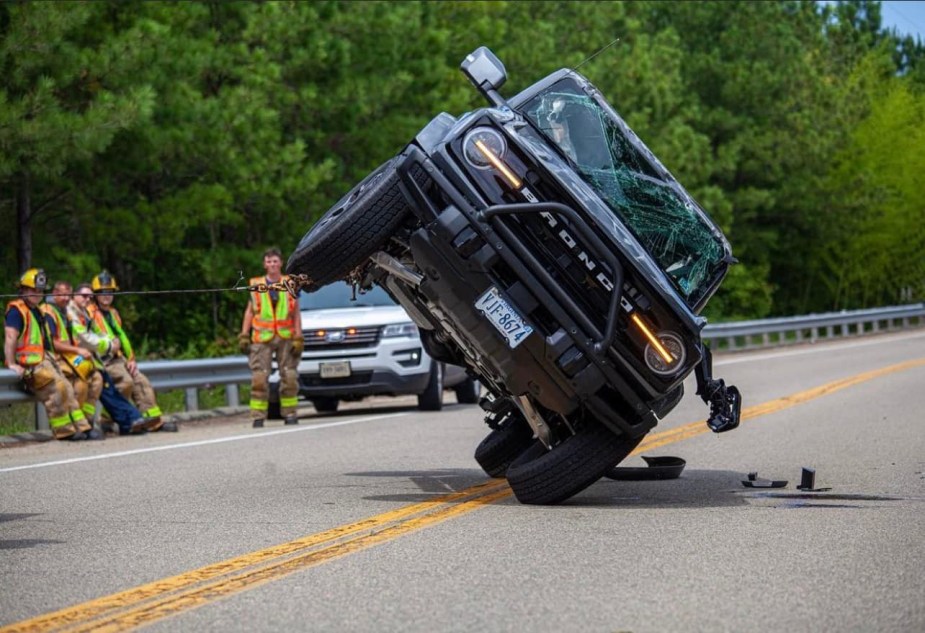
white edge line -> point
(220, 440)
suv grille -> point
(562, 264)
(341, 338)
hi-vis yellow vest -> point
(30, 349)
(268, 322)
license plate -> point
(503, 317)
(334, 370)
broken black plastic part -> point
(756, 482)
(725, 402)
(658, 468)
(808, 481)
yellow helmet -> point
(33, 278)
(104, 281)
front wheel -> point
(352, 230)
(543, 477)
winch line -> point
(295, 283)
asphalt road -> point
(378, 518)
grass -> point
(17, 418)
(175, 401)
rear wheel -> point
(503, 445)
(352, 230)
(432, 397)
(467, 392)
(541, 476)
(326, 404)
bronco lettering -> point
(583, 256)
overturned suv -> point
(541, 245)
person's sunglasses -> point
(104, 292)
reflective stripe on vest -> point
(266, 323)
(30, 350)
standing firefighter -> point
(121, 364)
(75, 363)
(29, 352)
(272, 325)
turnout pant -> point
(136, 389)
(260, 361)
(50, 386)
(87, 392)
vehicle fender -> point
(435, 131)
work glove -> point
(244, 342)
(298, 344)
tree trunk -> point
(24, 222)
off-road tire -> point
(431, 399)
(543, 477)
(325, 404)
(467, 392)
(353, 229)
(503, 445)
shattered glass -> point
(615, 163)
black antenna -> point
(596, 54)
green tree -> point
(58, 108)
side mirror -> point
(486, 72)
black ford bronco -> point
(541, 245)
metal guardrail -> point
(781, 331)
(231, 371)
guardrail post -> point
(192, 399)
(232, 395)
(41, 418)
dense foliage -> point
(173, 142)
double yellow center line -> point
(160, 599)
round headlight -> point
(672, 344)
(478, 142)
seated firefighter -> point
(121, 411)
(74, 362)
(29, 352)
(121, 363)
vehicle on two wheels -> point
(538, 243)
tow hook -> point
(725, 402)
(725, 406)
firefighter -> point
(121, 363)
(75, 363)
(272, 325)
(29, 352)
(121, 411)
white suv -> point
(364, 346)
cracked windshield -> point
(667, 227)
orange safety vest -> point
(270, 320)
(101, 325)
(30, 348)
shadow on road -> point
(431, 483)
